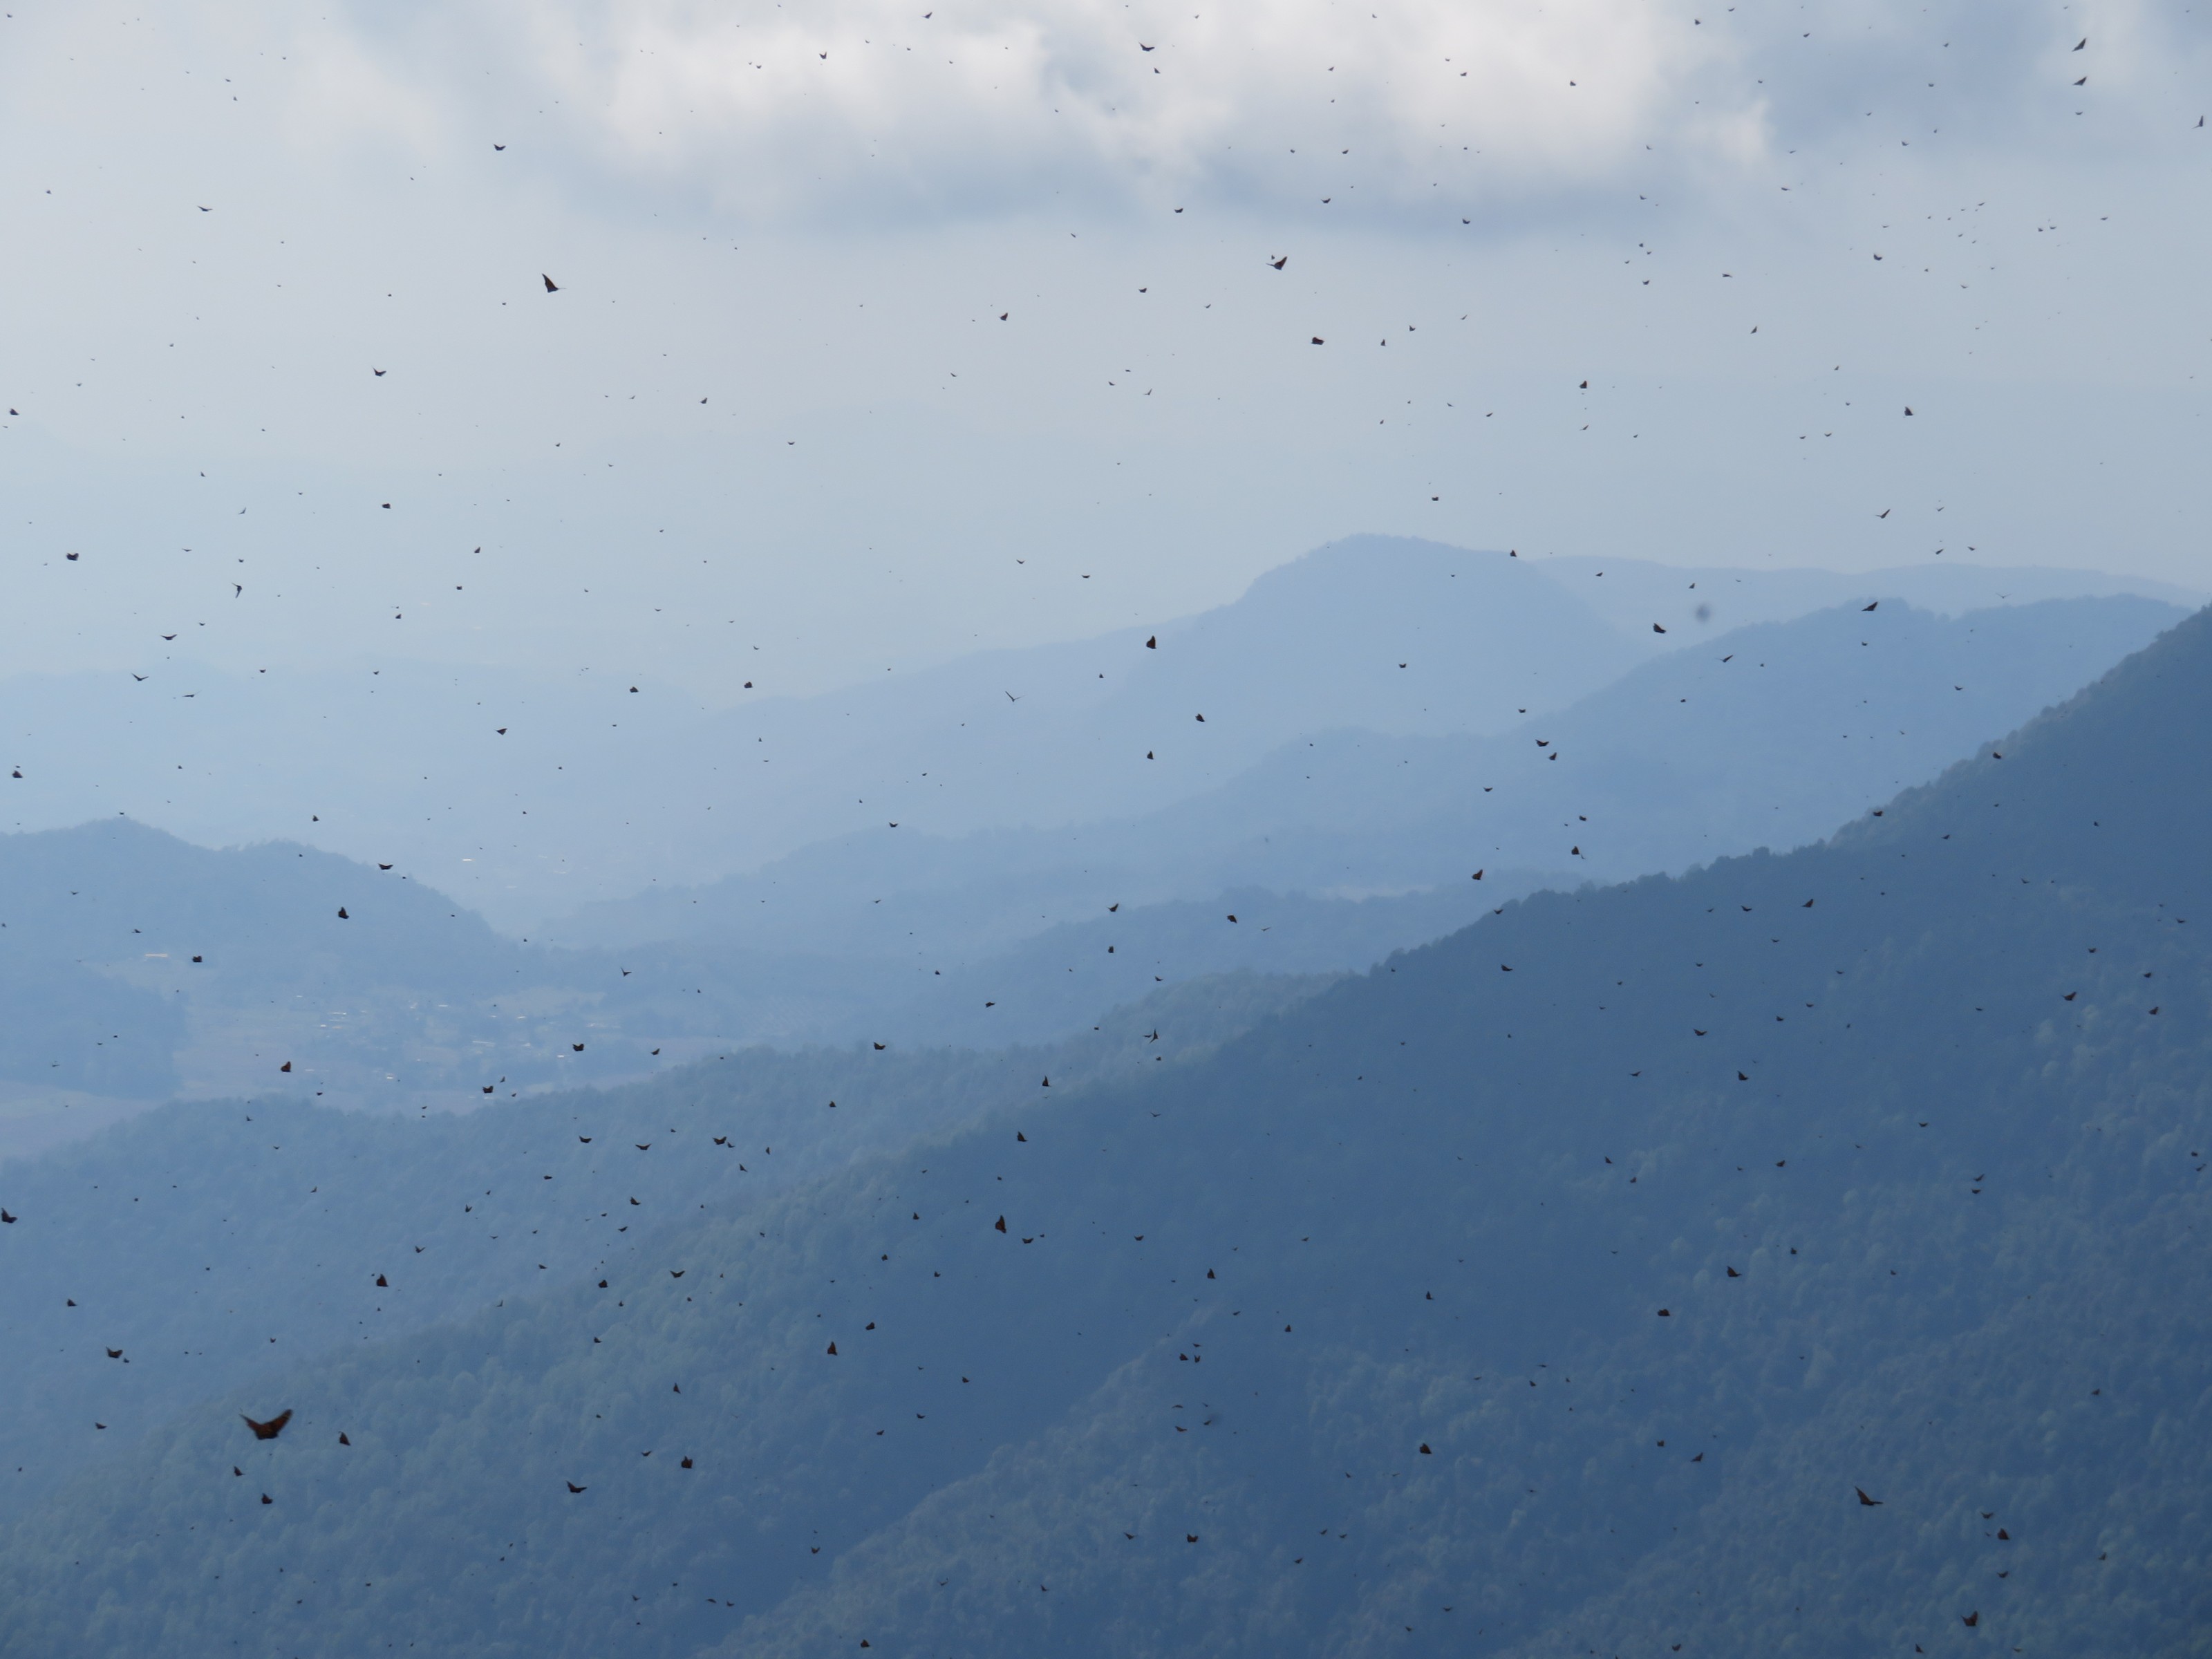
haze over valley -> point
(987, 830)
(1349, 824)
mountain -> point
(530, 795)
(1769, 736)
(1334, 850)
(206, 1239)
(527, 797)
(257, 920)
(1558, 1287)
(207, 971)
(1701, 601)
(71, 1031)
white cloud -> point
(1413, 112)
(1429, 106)
(1420, 110)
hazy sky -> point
(774, 403)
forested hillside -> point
(209, 1241)
(1805, 1254)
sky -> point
(886, 331)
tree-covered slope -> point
(212, 1241)
(69, 1027)
(1555, 1288)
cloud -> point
(1426, 111)
(1435, 107)
(1419, 112)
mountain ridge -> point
(1626, 1203)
